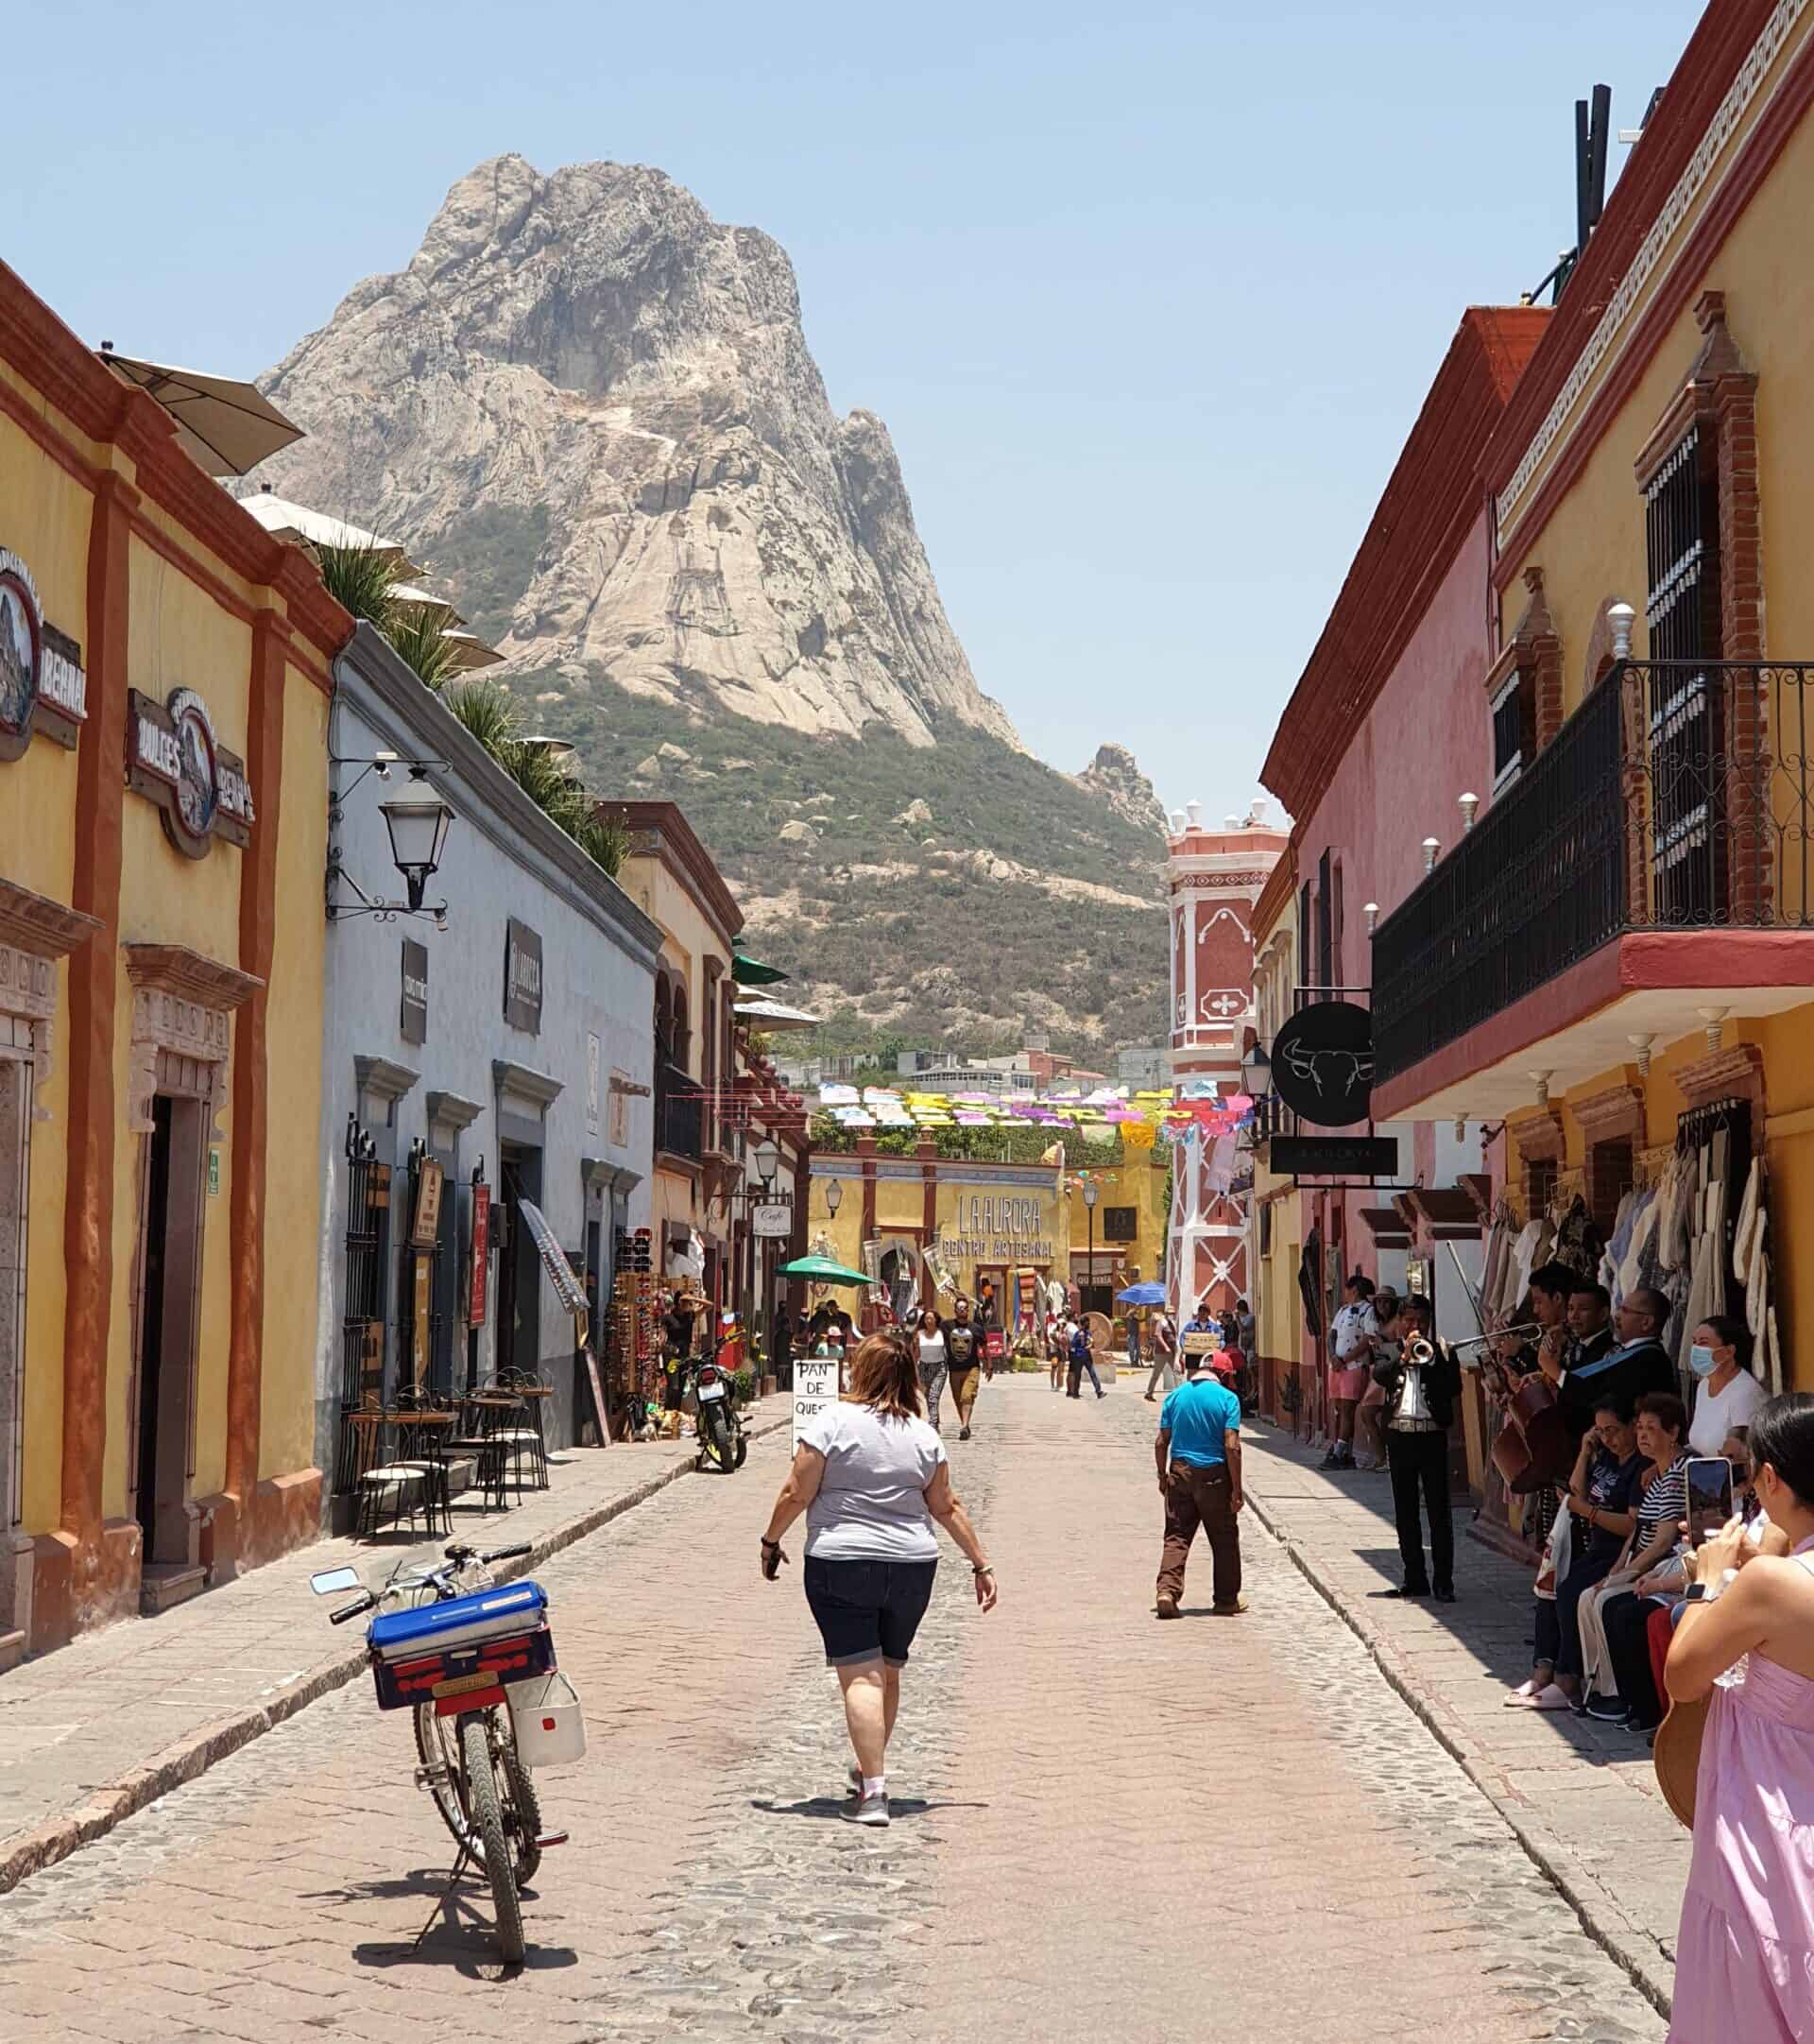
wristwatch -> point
(1700, 1593)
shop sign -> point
(568, 1289)
(481, 1265)
(425, 1225)
(1357, 1157)
(414, 1020)
(771, 1220)
(172, 758)
(592, 1083)
(41, 684)
(214, 1173)
(815, 1387)
(1322, 1063)
(522, 977)
(998, 1229)
(419, 1325)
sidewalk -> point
(96, 1732)
(1581, 1796)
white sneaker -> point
(869, 1810)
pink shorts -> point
(1348, 1384)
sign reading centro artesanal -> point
(42, 687)
(173, 758)
(997, 1231)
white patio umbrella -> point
(228, 427)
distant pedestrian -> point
(1082, 1360)
(1057, 1339)
(1164, 1373)
(1198, 1450)
(873, 1480)
(964, 1361)
(929, 1341)
(1352, 1337)
(781, 1340)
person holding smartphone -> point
(1746, 1939)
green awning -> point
(823, 1271)
(753, 972)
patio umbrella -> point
(228, 427)
(822, 1270)
(753, 972)
(1141, 1294)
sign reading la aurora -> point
(173, 759)
(521, 976)
(41, 684)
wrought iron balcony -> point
(677, 1114)
(1677, 798)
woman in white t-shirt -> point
(1726, 1394)
(873, 1480)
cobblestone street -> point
(1106, 1828)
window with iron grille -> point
(422, 1268)
(1514, 727)
(362, 1304)
(1684, 712)
(1266, 1228)
(1325, 925)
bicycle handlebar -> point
(509, 1553)
(352, 1611)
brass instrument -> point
(1517, 1332)
(1410, 1403)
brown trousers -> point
(1196, 1497)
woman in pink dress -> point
(1744, 1964)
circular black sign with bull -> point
(1321, 1063)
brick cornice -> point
(1603, 1117)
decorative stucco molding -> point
(35, 932)
(180, 1004)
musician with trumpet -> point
(1422, 1384)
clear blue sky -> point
(1148, 303)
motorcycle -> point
(476, 1667)
(720, 1429)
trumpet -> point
(1410, 1405)
(1480, 1340)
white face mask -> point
(1701, 1360)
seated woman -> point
(1662, 1439)
(1602, 1497)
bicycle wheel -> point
(524, 1818)
(487, 1814)
(438, 1742)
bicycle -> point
(475, 1668)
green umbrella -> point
(822, 1270)
(753, 972)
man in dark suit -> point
(1417, 1455)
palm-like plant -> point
(490, 715)
(365, 580)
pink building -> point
(1215, 876)
(1387, 732)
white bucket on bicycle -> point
(550, 1726)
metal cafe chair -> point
(518, 1425)
(384, 1487)
(488, 1451)
(421, 1445)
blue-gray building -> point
(501, 1054)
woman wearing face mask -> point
(1726, 1394)
(1745, 1950)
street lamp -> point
(833, 1198)
(1091, 1193)
(1256, 1073)
(767, 1159)
(417, 818)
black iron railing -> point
(362, 1306)
(677, 1120)
(1677, 796)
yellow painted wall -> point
(46, 1284)
(690, 939)
(900, 1205)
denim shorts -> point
(867, 1610)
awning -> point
(1388, 1227)
(774, 1015)
(1448, 1213)
(227, 426)
(753, 972)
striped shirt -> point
(1667, 1499)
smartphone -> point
(1709, 1497)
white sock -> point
(874, 1785)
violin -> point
(1533, 1449)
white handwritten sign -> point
(815, 1387)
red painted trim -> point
(1756, 159)
(1567, 998)
(93, 1001)
(1649, 960)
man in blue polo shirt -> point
(1199, 1457)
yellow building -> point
(1618, 959)
(1128, 1226)
(999, 1222)
(1274, 1233)
(671, 877)
(163, 699)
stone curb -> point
(30, 1852)
(1631, 1948)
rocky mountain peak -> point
(1115, 775)
(618, 389)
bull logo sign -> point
(42, 687)
(173, 760)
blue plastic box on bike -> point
(459, 1654)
